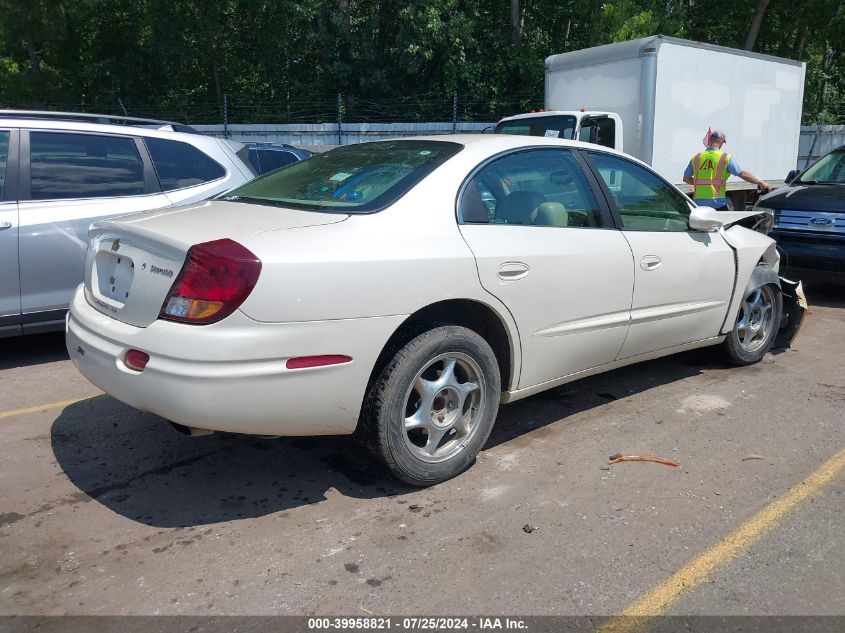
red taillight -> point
(303, 362)
(136, 359)
(216, 279)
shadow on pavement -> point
(32, 349)
(139, 467)
(549, 406)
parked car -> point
(266, 157)
(809, 219)
(61, 171)
(400, 290)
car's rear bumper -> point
(231, 376)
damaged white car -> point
(402, 290)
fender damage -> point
(745, 232)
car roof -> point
(88, 117)
(552, 113)
(277, 147)
(106, 124)
(494, 143)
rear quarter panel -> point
(392, 262)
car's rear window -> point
(560, 126)
(352, 179)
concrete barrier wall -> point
(820, 140)
(322, 136)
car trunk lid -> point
(133, 261)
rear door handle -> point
(5, 225)
(511, 271)
(650, 262)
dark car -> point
(267, 157)
(809, 220)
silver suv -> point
(59, 172)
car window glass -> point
(532, 188)
(559, 126)
(601, 131)
(4, 155)
(64, 166)
(181, 165)
(645, 201)
(830, 168)
(358, 178)
(269, 159)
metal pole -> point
(339, 118)
(455, 112)
(815, 138)
(225, 115)
(122, 107)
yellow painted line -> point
(659, 598)
(41, 407)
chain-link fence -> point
(317, 108)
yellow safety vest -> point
(709, 174)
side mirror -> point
(704, 219)
(792, 176)
(490, 129)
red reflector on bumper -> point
(136, 359)
(302, 362)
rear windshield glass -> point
(350, 179)
(560, 126)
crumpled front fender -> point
(793, 301)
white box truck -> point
(656, 97)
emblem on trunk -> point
(115, 245)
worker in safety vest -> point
(708, 172)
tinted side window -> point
(4, 156)
(180, 165)
(536, 188)
(268, 159)
(645, 201)
(66, 166)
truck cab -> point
(601, 128)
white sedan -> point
(401, 290)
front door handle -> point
(650, 262)
(5, 225)
(511, 271)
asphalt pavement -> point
(107, 510)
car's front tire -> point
(430, 410)
(756, 325)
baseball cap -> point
(719, 135)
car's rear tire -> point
(756, 325)
(431, 409)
